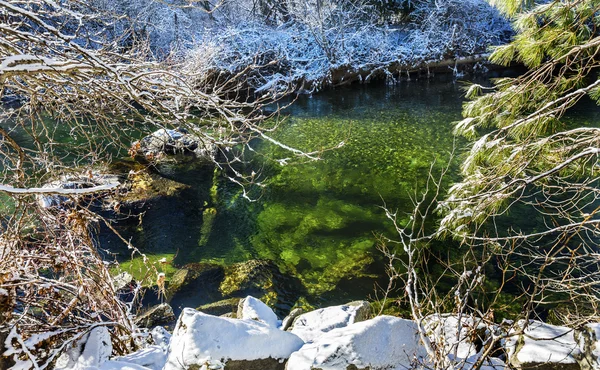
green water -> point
(317, 220)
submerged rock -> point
(223, 307)
(187, 280)
(165, 141)
(382, 343)
(157, 315)
(311, 325)
(263, 280)
(200, 339)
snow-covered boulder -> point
(251, 308)
(201, 339)
(589, 342)
(542, 346)
(455, 334)
(311, 325)
(89, 352)
(384, 342)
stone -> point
(122, 280)
(220, 308)
(91, 351)
(179, 141)
(263, 280)
(460, 336)
(200, 339)
(161, 314)
(251, 308)
(289, 319)
(188, 280)
(542, 346)
(311, 325)
(382, 343)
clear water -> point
(317, 220)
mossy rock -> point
(226, 306)
(263, 280)
(191, 276)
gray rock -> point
(289, 319)
(122, 280)
(220, 308)
(262, 364)
(157, 315)
(166, 141)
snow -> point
(253, 309)
(152, 357)
(384, 342)
(542, 343)
(120, 365)
(204, 339)
(311, 325)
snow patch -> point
(311, 325)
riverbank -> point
(342, 337)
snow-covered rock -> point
(312, 325)
(384, 342)
(201, 339)
(161, 337)
(251, 308)
(90, 352)
(455, 334)
(542, 346)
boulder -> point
(192, 278)
(263, 280)
(289, 319)
(90, 352)
(251, 308)
(161, 314)
(382, 343)
(179, 141)
(200, 339)
(458, 336)
(311, 325)
(223, 307)
(542, 346)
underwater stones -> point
(311, 325)
(201, 339)
(143, 185)
(165, 141)
(193, 277)
(223, 307)
(261, 279)
(157, 315)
